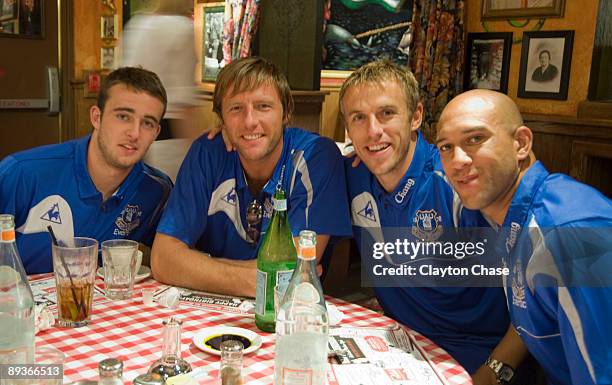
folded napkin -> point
(43, 318)
(334, 314)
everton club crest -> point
(128, 220)
(427, 225)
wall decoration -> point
(108, 58)
(93, 82)
(546, 58)
(21, 18)
(507, 9)
(212, 40)
(358, 32)
(488, 61)
(109, 24)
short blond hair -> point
(248, 74)
(380, 71)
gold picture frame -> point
(517, 9)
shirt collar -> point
(270, 186)
(401, 195)
(87, 189)
(525, 194)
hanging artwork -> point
(21, 18)
(358, 32)
(212, 50)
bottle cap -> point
(110, 366)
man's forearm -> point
(510, 350)
(176, 264)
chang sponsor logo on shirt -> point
(399, 197)
(427, 225)
(128, 220)
(511, 239)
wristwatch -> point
(504, 374)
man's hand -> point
(357, 159)
(484, 376)
(214, 131)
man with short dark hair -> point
(555, 239)
(209, 233)
(96, 186)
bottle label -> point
(7, 235)
(280, 204)
(260, 292)
(296, 376)
(283, 277)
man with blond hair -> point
(399, 185)
(208, 236)
(554, 238)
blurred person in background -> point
(163, 42)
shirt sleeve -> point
(185, 216)
(583, 256)
(13, 190)
(318, 191)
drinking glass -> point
(74, 264)
(120, 258)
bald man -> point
(554, 237)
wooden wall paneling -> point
(591, 162)
(554, 151)
(332, 124)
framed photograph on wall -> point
(22, 18)
(107, 58)
(356, 33)
(8, 9)
(109, 24)
(487, 61)
(513, 9)
(212, 40)
(546, 57)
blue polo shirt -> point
(50, 185)
(556, 242)
(207, 208)
(468, 322)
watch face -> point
(505, 373)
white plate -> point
(143, 272)
(200, 338)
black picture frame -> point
(22, 19)
(487, 61)
(553, 81)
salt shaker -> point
(111, 372)
(231, 362)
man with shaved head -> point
(399, 184)
(554, 237)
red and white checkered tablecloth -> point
(131, 331)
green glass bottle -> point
(276, 260)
